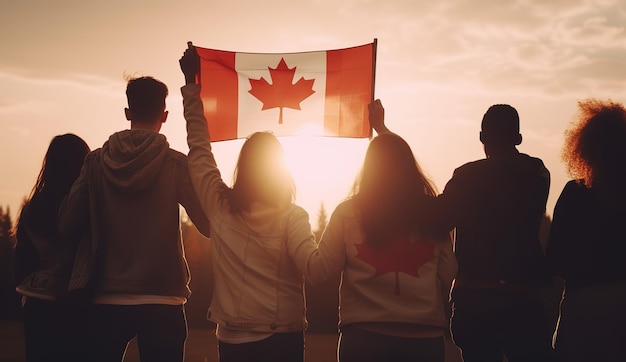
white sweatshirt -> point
(259, 257)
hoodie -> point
(128, 194)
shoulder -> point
(574, 193)
(176, 155)
(296, 220)
(534, 161)
(93, 158)
(295, 212)
(471, 168)
(575, 199)
(178, 159)
(95, 154)
(574, 187)
(346, 209)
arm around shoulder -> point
(73, 216)
(330, 257)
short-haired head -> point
(146, 99)
(500, 126)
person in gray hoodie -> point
(128, 196)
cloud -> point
(549, 49)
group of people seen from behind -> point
(99, 258)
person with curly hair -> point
(587, 246)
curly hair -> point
(595, 144)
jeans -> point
(54, 331)
(161, 331)
(280, 347)
(488, 325)
(356, 344)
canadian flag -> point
(321, 93)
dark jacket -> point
(42, 262)
(587, 244)
(129, 193)
(496, 205)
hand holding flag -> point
(377, 117)
(190, 64)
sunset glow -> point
(440, 65)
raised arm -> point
(205, 176)
(377, 117)
(73, 216)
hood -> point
(132, 159)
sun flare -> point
(323, 168)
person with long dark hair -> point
(261, 240)
(587, 246)
(396, 277)
(43, 261)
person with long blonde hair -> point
(261, 240)
(395, 275)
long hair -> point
(59, 169)
(260, 175)
(595, 145)
(389, 189)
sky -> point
(440, 65)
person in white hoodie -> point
(395, 276)
(128, 197)
(261, 240)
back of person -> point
(584, 218)
(405, 280)
(128, 197)
(135, 184)
(54, 324)
(496, 205)
(261, 240)
(395, 276)
(258, 283)
(586, 245)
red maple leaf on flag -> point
(399, 255)
(282, 92)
